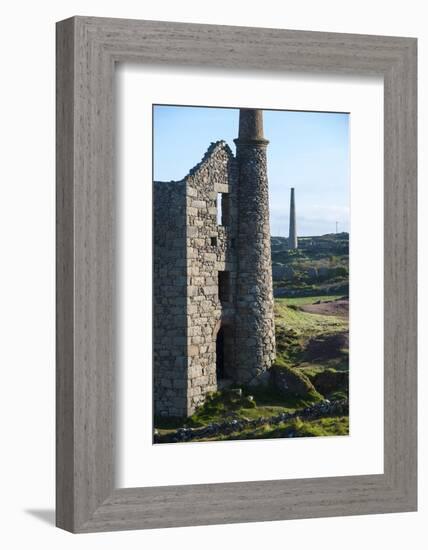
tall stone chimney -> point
(255, 331)
(292, 235)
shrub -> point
(326, 346)
(341, 272)
(330, 380)
(248, 403)
(290, 381)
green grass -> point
(269, 398)
(296, 329)
(321, 427)
(306, 324)
(312, 369)
(218, 407)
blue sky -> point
(308, 151)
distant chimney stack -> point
(292, 235)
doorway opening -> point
(219, 349)
(224, 355)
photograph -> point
(250, 274)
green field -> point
(297, 428)
(306, 324)
(316, 345)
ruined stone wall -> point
(210, 248)
(169, 299)
(190, 248)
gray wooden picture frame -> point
(87, 50)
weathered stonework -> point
(170, 298)
(213, 305)
(255, 330)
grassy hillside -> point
(315, 344)
(319, 266)
(293, 428)
(311, 368)
(313, 350)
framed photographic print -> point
(236, 274)
(229, 349)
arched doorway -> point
(224, 354)
(219, 360)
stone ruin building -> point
(213, 318)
